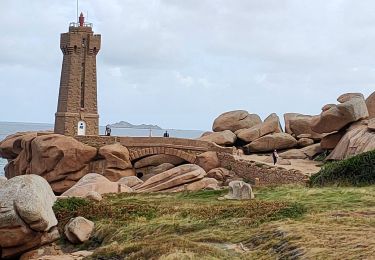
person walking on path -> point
(275, 156)
(166, 134)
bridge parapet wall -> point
(135, 144)
(177, 143)
(96, 140)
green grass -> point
(322, 199)
(355, 171)
(277, 224)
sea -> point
(7, 128)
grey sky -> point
(179, 63)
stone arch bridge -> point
(141, 147)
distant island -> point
(123, 124)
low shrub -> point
(356, 171)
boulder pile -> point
(346, 126)
(186, 177)
(240, 128)
(346, 129)
(62, 160)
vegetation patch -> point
(144, 226)
(285, 222)
(355, 171)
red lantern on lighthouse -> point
(81, 19)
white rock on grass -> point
(78, 230)
(239, 190)
(94, 196)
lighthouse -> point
(77, 109)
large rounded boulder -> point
(270, 125)
(270, 142)
(235, 120)
(11, 146)
(173, 178)
(299, 124)
(26, 216)
(223, 138)
(208, 160)
(334, 119)
(116, 163)
(95, 182)
(61, 160)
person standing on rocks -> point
(108, 130)
(274, 156)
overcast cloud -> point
(181, 63)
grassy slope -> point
(284, 222)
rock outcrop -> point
(370, 102)
(270, 142)
(299, 124)
(371, 124)
(208, 161)
(13, 144)
(160, 168)
(239, 190)
(235, 120)
(116, 162)
(306, 152)
(348, 96)
(172, 178)
(155, 160)
(334, 119)
(293, 154)
(130, 181)
(312, 150)
(328, 106)
(329, 142)
(270, 125)
(203, 184)
(303, 142)
(223, 138)
(61, 160)
(95, 182)
(78, 230)
(357, 139)
(287, 118)
(220, 174)
(26, 216)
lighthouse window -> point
(82, 95)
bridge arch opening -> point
(145, 152)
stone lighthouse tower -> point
(77, 110)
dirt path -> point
(306, 166)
